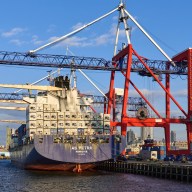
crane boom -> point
(88, 63)
(73, 32)
(32, 87)
(13, 121)
(12, 101)
(13, 108)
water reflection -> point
(14, 179)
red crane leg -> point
(189, 125)
(114, 128)
(168, 113)
(167, 137)
(189, 136)
(111, 90)
(126, 89)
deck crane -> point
(13, 108)
(31, 87)
(13, 121)
(125, 62)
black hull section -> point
(44, 154)
(35, 161)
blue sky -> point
(26, 25)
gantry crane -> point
(124, 62)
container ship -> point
(63, 132)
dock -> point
(170, 170)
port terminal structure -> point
(125, 62)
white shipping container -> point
(46, 107)
(80, 116)
(39, 131)
(106, 125)
(53, 107)
(31, 125)
(46, 116)
(32, 108)
(67, 124)
(46, 124)
(73, 116)
(74, 124)
(87, 116)
(92, 116)
(81, 124)
(67, 116)
(106, 117)
(87, 124)
(46, 131)
(31, 132)
(39, 115)
(53, 116)
(39, 107)
(60, 115)
(53, 124)
(39, 123)
(32, 116)
(100, 116)
(61, 124)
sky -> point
(26, 25)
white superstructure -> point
(63, 112)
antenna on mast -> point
(73, 78)
(50, 78)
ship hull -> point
(45, 154)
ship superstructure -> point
(64, 112)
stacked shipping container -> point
(48, 119)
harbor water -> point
(13, 179)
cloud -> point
(94, 41)
(13, 32)
(159, 93)
(76, 41)
(180, 93)
(102, 39)
(146, 93)
(35, 40)
(72, 41)
(78, 25)
(17, 42)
